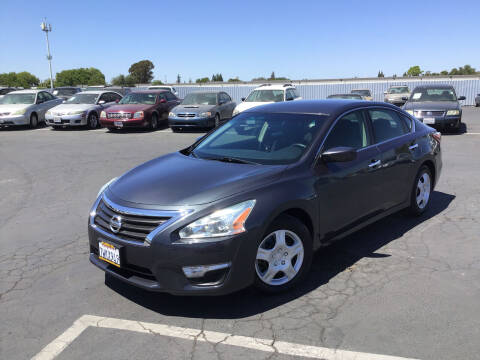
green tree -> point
(45, 84)
(414, 71)
(179, 79)
(157, 82)
(235, 79)
(122, 80)
(81, 76)
(259, 79)
(23, 79)
(380, 74)
(444, 72)
(141, 71)
(202, 80)
(272, 76)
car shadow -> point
(136, 130)
(327, 263)
(462, 130)
(41, 125)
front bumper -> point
(126, 123)
(442, 121)
(66, 120)
(159, 265)
(394, 101)
(190, 122)
(14, 120)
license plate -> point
(118, 123)
(109, 253)
(429, 120)
(57, 119)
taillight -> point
(437, 136)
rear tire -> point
(281, 264)
(421, 192)
(217, 121)
(33, 120)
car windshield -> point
(261, 138)
(83, 99)
(159, 88)
(200, 99)
(398, 90)
(61, 92)
(139, 98)
(361, 92)
(345, 96)
(265, 96)
(433, 94)
(28, 98)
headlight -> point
(138, 115)
(78, 112)
(171, 114)
(206, 114)
(235, 112)
(225, 222)
(20, 112)
(104, 187)
(103, 114)
(409, 111)
(453, 112)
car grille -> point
(4, 114)
(119, 115)
(186, 115)
(422, 113)
(134, 227)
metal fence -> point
(468, 87)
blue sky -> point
(297, 39)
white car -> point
(26, 107)
(267, 93)
(164, 87)
(82, 109)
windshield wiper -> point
(232, 160)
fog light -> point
(200, 270)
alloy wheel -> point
(279, 257)
(423, 190)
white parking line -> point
(470, 133)
(50, 351)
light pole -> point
(47, 27)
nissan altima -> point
(251, 201)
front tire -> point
(421, 192)
(154, 122)
(217, 121)
(92, 121)
(284, 255)
(33, 120)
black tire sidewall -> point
(286, 222)
(217, 121)
(89, 121)
(32, 124)
(414, 209)
(154, 122)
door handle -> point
(414, 146)
(374, 163)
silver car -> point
(82, 109)
(26, 107)
(397, 95)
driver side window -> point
(349, 131)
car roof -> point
(28, 91)
(345, 94)
(95, 91)
(151, 91)
(274, 87)
(434, 86)
(333, 107)
(207, 92)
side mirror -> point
(243, 99)
(461, 98)
(163, 101)
(339, 154)
(385, 93)
(221, 102)
(404, 98)
(117, 100)
(289, 98)
(101, 102)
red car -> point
(139, 109)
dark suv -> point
(250, 202)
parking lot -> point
(401, 288)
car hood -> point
(179, 180)
(129, 107)
(432, 105)
(11, 108)
(64, 108)
(193, 109)
(248, 105)
(397, 96)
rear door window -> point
(387, 124)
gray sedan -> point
(477, 100)
(82, 109)
(202, 109)
(26, 107)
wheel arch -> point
(431, 166)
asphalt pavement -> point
(403, 287)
